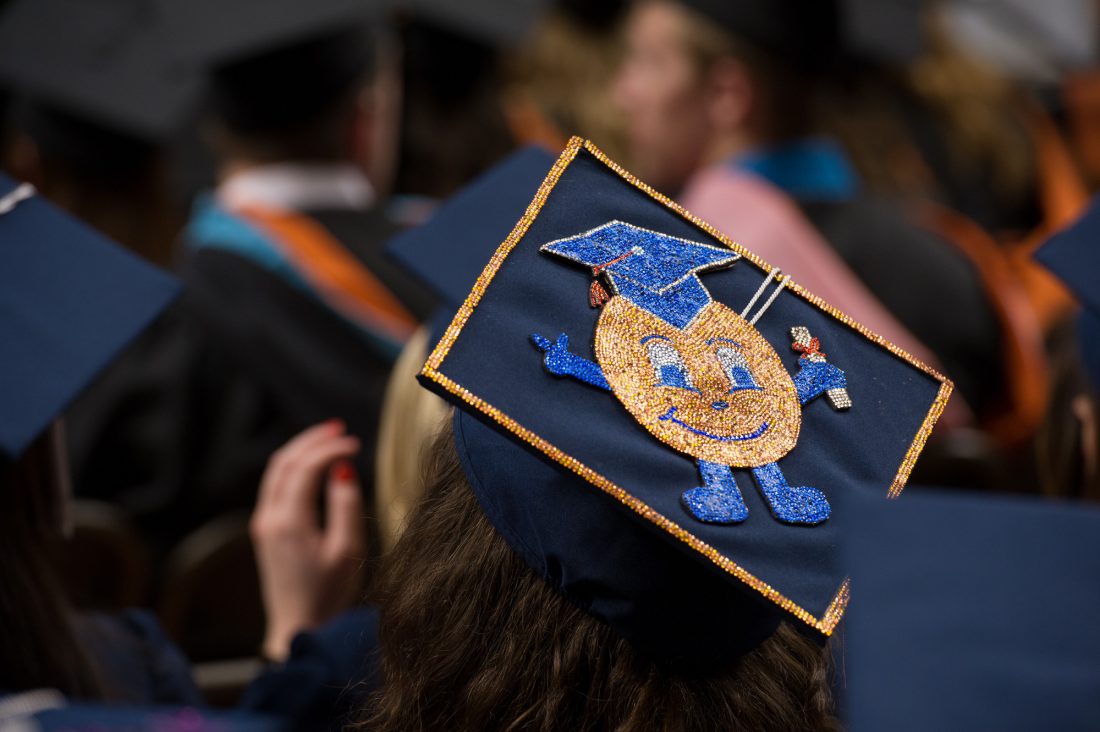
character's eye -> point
(668, 365)
(737, 369)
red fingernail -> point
(344, 471)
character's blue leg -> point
(718, 500)
(792, 505)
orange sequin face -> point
(715, 390)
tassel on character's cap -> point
(597, 296)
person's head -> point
(695, 91)
(112, 179)
(314, 101)
(92, 115)
(473, 638)
(453, 126)
(559, 79)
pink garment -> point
(765, 221)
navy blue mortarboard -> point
(660, 454)
(450, 249)
(1073, 255)
(972, 613)
(70, 300)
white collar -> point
(297, 187)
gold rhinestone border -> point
(827, 623)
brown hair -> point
(471, 638)
(979, 110)
(565, 70)
(38, 644)
(453, 126)
(786, 98)
(974, 113)
(1058, 443)
(324, 137)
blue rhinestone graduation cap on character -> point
(694, 373)
(630, 384)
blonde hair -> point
(565, 71)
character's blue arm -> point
(563, 363)
(814, 378)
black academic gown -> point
(180, 428)
(174, 432)
(927, 285)
(365, 234)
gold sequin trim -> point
(826, 624)
(835, 611)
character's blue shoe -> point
(791, 504)
(715, 505)
(801, 505)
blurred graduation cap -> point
(88, 70)
(1073, 255)
(498, 23)
(450, 249)
(274, 64)
(972, 612)
(598, 15)
(70, 300)
(601, 436)
(890, 31)
(813, 33)
(805, 33)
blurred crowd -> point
(901, 159)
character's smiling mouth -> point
(670, 416)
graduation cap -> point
(102, 62)
(70, 300)
(598, 15)
(805, 33)
(659, 454)
(972, 612)
(1073, 255)
(449, 250)
(654, 271)
(274, 64)
(887, 31)
(498, 23)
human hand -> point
(307, 571)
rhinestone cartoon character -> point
(695, 374)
